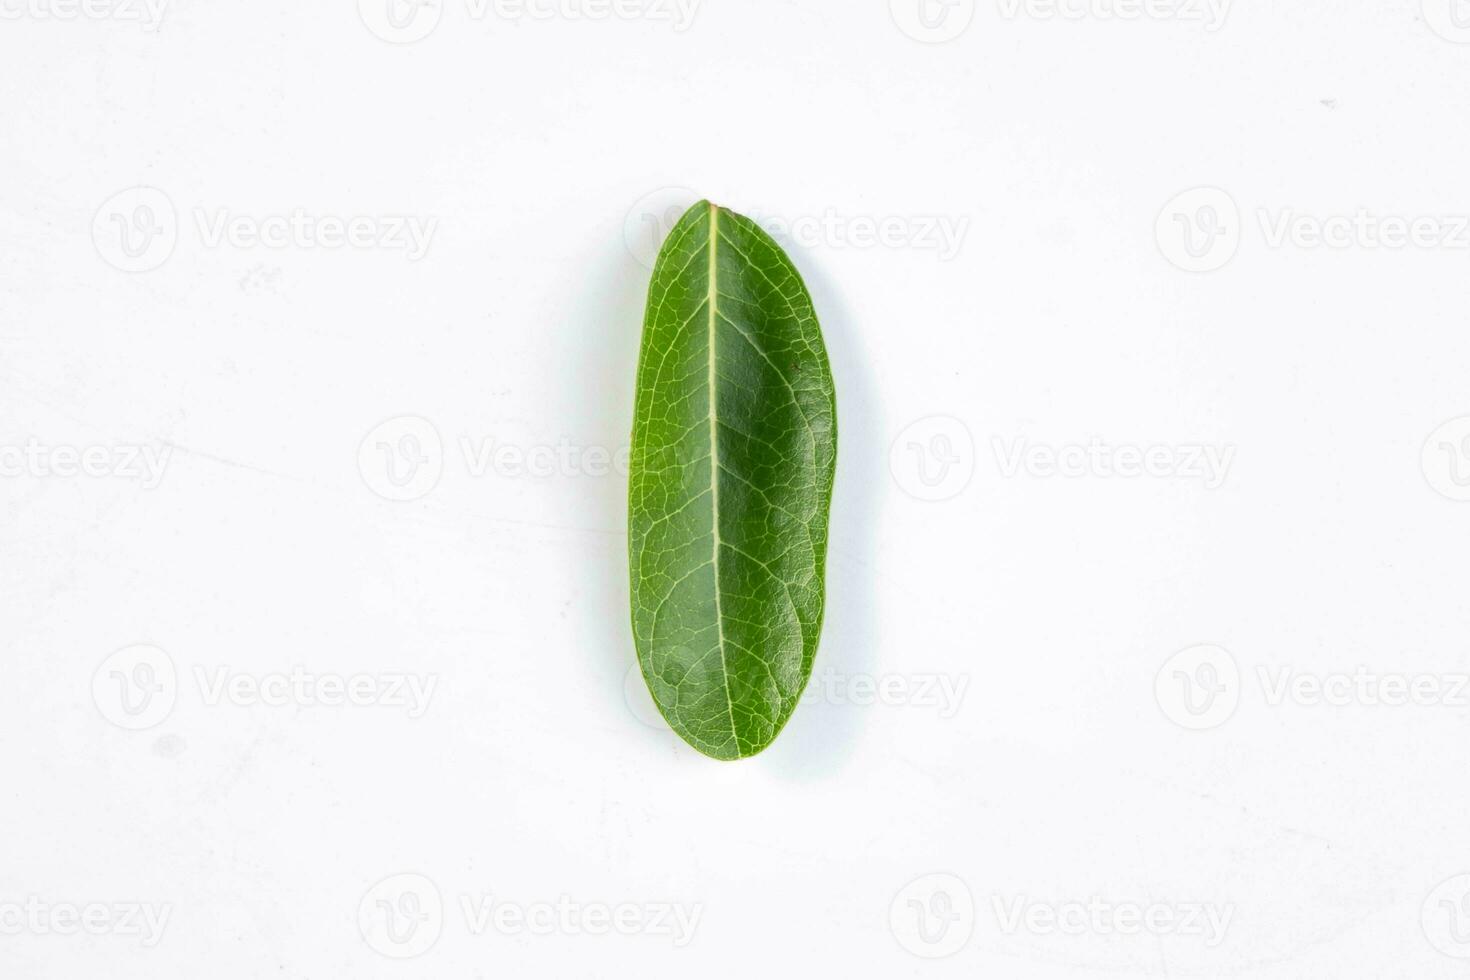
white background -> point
(873, 836)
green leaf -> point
(734, 447)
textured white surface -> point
(378, 464)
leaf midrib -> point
(711, 301)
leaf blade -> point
(733, 456)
